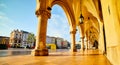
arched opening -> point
(71, 20)
(68, 11)
(43, 16)
(93, 37)
(58, 30)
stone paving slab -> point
(57, 59)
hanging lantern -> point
(81, 19)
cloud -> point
(58, 26)
(6, 24)
(1, 17)
(5, 20)
(2, 5)
(2, 13)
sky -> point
(20, 14)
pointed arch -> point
(68, 11)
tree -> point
(30, 39)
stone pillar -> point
(72, 34)
(86, 41)
(40, 49)
(87, 44)
(81, 30)
(101, 38)
(82, 44)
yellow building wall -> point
(112, 29)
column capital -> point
(43, 12)
(86, 40)
(73, 32)
(81, 37)
(80, 24)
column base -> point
(73, 50)
(40, 52)
(83, 49)
(87, 49)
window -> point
(19, 41)
(15, 41)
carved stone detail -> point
(73, 32)
(82, 37)
(43, 12)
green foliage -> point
(31, 38)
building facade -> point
(4, 42)
(24, 42)
(19, 39)
(60, 43)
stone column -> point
(40, 49)
(72, 34)
(87, 44)
(101, 38)
(82, 43)
(81, 30)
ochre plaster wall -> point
(112, 29)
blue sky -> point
(20, 14)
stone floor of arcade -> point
(87, 57)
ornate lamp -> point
(81, 16)
(81, 19)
